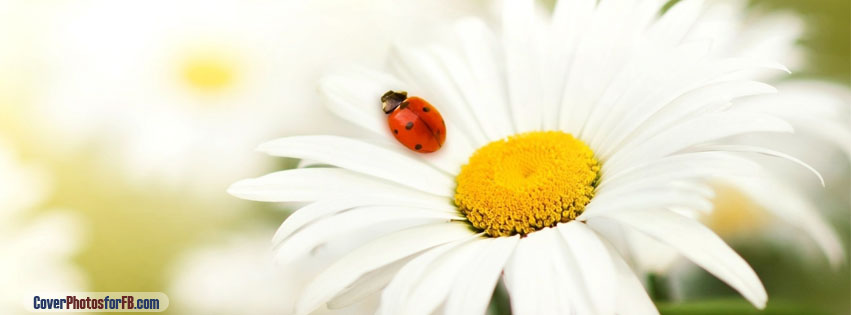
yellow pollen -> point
(526, 182)
(208, 73)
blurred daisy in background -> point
(735, 29)
(788, 209)
(819, 112)
(36, 246)
(179, 89)
(245, 272)
(822, 140)
(651, 102)
(136, 105)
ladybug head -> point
(392, 99)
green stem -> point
(500, 303)
(657, 288)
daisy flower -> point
(246, 273)
(35, 250)
(177, 88)
(564, 132)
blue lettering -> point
(41, 304)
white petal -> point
(541, 279)
(649, 255)
(521, 27)
(425, 72)
(364, 158)
(696, 131)
(837, 133)
(645, 82)
(737, 30)
(675, 23)
(395, 296)
(461, 75)
(488, 96)
(311, 212)
(367, 285)
(692, 75)
(613, 71)
(310, 184)
(602, 68)
(355, 95)
(665, 114)
(804, 99)
(680, 194)
(791, 206)
(528, 296)
(569, 19)
(571, 12)
(310, 237)
(472, 292)
(632, 298)
(755, 149)
(373, 255)
(517, 274)
(697, 243)
(432, 289)
(681, 166)
(695, 183)
(594, 265)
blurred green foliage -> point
(734, 306)
(827, 38)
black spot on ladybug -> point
(409, 125)
(418, 146)
(426, 109)
(395, 131)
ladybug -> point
(414, 122)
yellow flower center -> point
(735, 214)
(209, 72)
(526, 182)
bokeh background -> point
(123, 122)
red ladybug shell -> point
(417, 124)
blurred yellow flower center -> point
(526, 182)
(209, 73)
(735, 214)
